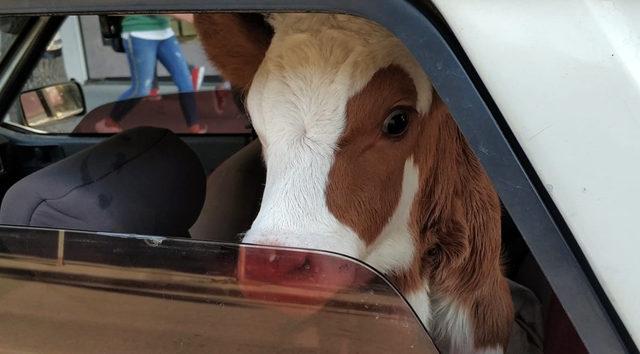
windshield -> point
(77, 292)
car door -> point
(578, 294)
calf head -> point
(364, 159)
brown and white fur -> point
(419, 207)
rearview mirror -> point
(52, 103)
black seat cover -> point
(143, 181)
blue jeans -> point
(142, 55)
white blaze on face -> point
(297, 103)
(394, 249)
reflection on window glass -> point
(66, 292)
(133, 71)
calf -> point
(363, 158)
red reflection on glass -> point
(215, 109)
(296, 276)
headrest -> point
(142, 181)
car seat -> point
(234, 191)
(142, 181)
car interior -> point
(201, 187)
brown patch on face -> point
(235, 43)
(455, 217)
(365, 180)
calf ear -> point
(235, 43)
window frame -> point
(524, 196)
(17, 66)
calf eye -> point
(396, 123)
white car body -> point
(566, 77)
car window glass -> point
(185, 95)
(72, 291)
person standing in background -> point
(197, 78)
(146, 40)
(184, 32)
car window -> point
(86, 82)
(76, 292)
(96, 80)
